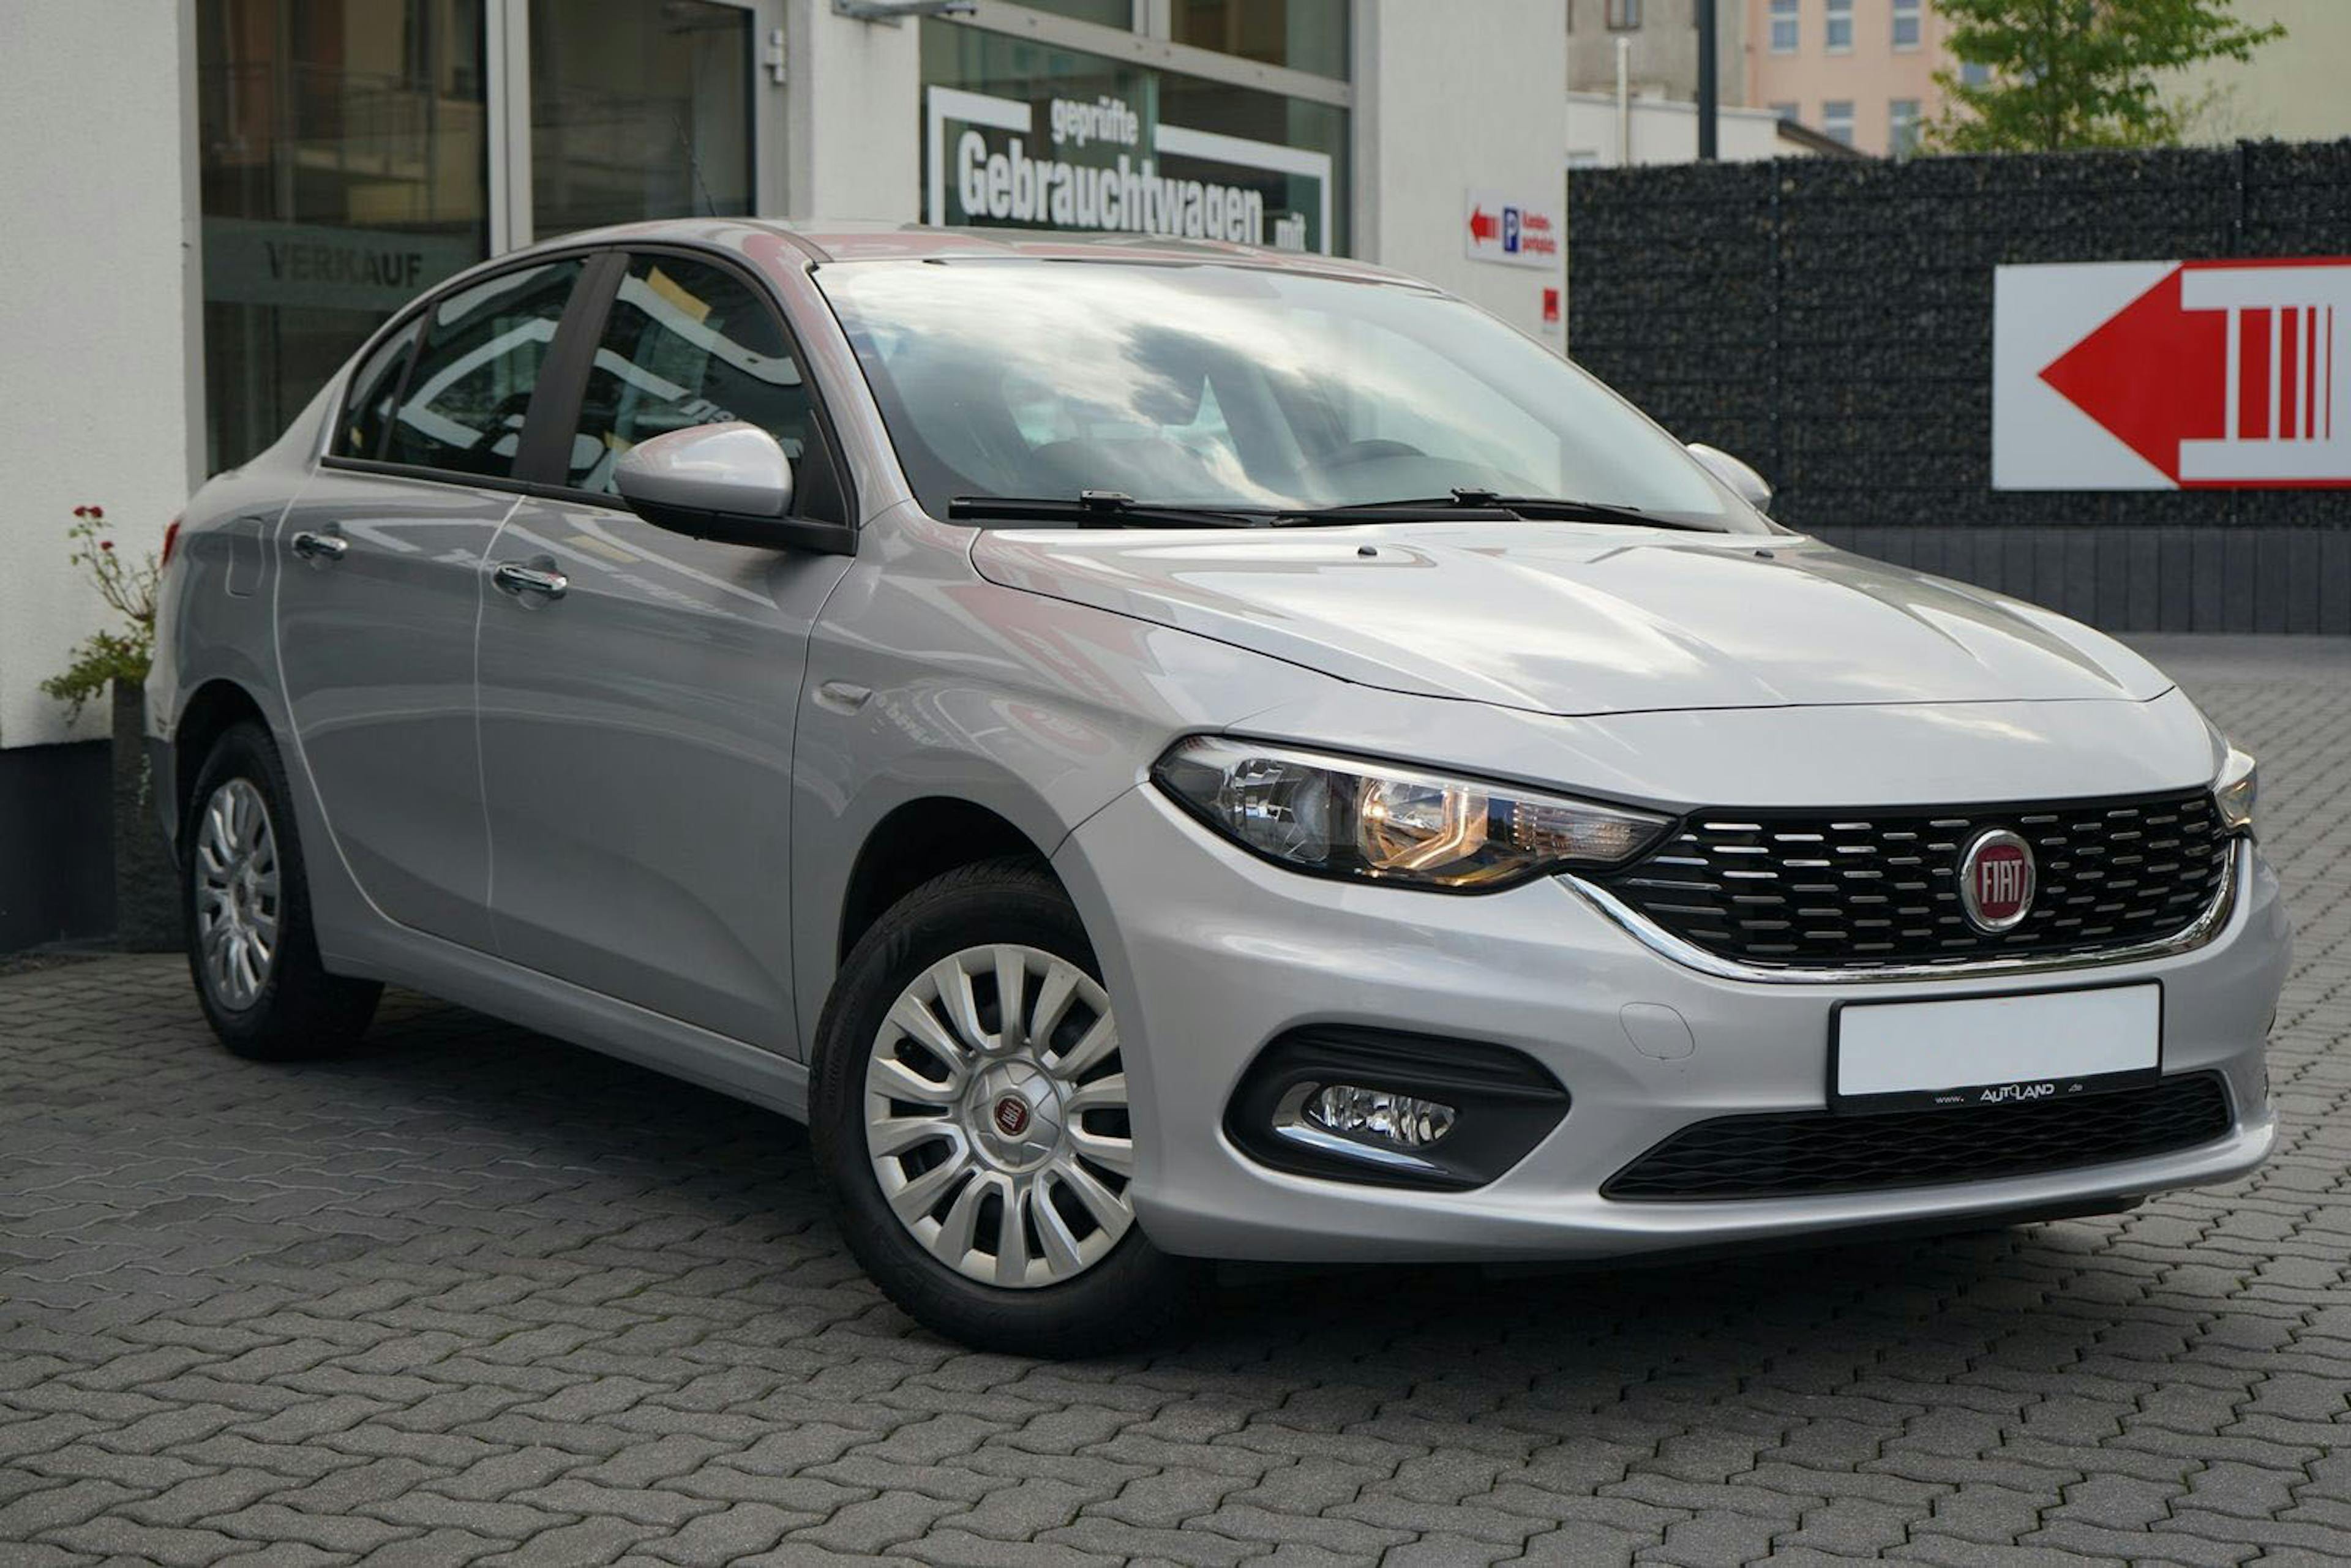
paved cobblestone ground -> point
(477, 1296)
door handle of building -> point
(320, 547)
(517, 578)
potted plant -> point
(112, 663)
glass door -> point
(643, 109)
(638, 108)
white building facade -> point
(215, 201)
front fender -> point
(927, 682)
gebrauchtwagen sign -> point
(2156, 375)
(1097, 163)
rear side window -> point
(470, 390)
(367, 412)
(686, 343)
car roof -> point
(826, 242)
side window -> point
(470, 391)
(367, 411)
(687, 343)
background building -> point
(1658, 123)
(211, 201)
(1605, 134)
(2297, 88)
(1861, 72)
(1664, 38)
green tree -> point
(2079, 73)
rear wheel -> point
(251, 947)
(971, 1118)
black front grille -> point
(1860, 890)
(1808, 1152)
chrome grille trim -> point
(1790, 888)
(1689, 954)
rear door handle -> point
(320, 547)
(517, 578)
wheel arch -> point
(213, 708)
(914, 841)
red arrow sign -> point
(1483, 224)
(2159, 374)
(2153, 374)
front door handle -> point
(517, 578)
(320, 547)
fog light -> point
(1399, 1120)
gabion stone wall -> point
(1831, 322)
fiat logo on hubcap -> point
(1996, 880)
(1012, 1116)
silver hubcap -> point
(996, 1116)
(237, 908)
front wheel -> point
(251, 947)
(971, 1119)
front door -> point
(381, 585)
(637, 720)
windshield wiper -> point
(1536, 508)
(1097, 510)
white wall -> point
(852, 147)
(1666, 131)
(1443, 105)
(96, 248)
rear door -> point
(380, 590)
(636, 730)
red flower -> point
(98, 511)
(106, 544)
(81, 511)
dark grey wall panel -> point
(1831, 322)
(2138, 579)
(57, 807)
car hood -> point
(1566, 618)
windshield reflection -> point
(1218, 385)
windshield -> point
(1218, 386)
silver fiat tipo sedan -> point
(1161, 752)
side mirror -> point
(1750, 486)
(726, 482)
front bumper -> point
(1210, 954)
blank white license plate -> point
(1989, 1051)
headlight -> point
(2235, 791)
(1340, 817)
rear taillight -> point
(171, 540)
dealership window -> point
(1836, 120)
(341, 163)
(1102, 13)
(1624, 16)
(1302, 35)
(1785, 31)
(1974, 73)
(1786, 112)
(1902, 127)
(1840, 30)
(1021, 133)
(344, 151)
(1907, 23)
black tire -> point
(300, 1011)
(1132, 1294)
